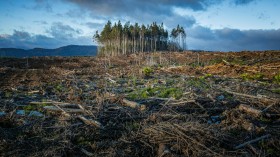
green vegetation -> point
(127, 39)
(198, 83)
(162, 92)
(30, 107)
(277, 78)
(147, 71)
(205, 76)
(276, 91)
(246, 76)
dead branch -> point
(63, 111)
(87, 152)
(252, 141)
(68, 110)
(252, 96)
(90, 122)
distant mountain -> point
(70, 50)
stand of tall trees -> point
(120, 39)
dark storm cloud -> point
(185, 21)
(22, 39)
(61, 31)
(129, 7)
(25, 40)
(233, 39)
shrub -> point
(147, 71)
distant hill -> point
(70, 50)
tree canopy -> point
(120, 39)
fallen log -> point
(248, 109)
(133, 104)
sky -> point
(215, 25)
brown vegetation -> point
(156, 104)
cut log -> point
(133, 104)
(90, 122)
(248, 109)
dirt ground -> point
(157, 104)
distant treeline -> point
(127, 39)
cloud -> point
(242, 2)
(62, 31)
(25, 40)
(41, 5)
(233, 39)
(94, 25)
(41, 22)
(76, 13)
(127, 7)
